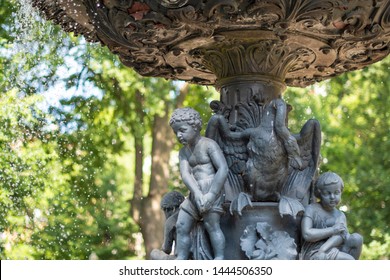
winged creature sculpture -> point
(266, 162)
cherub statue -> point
(170, 204)
(203, 169)
(275, 160)
(324, 227)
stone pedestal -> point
(234, 226)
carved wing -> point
(299, 182)
(235, 150)
(236, 157)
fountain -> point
(250, 51)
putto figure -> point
(203, 169)
(170, 204)
(324, 227)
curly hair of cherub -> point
(188, 115)
(325, 179)
(171, 200)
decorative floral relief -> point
(262, 242)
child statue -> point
(203, 169)
(170, 204)
(324, 227)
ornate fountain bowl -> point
(296, 42)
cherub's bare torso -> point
(199, 159)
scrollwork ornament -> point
(233, 35)
(220, 8)
(267, 11)
(383, 16)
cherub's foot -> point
(160, 255)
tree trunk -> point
(135, 206)
(146, 210)
(152, 218)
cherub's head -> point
(220, 108)
(186, 123)
(328, 189)
(170, 203)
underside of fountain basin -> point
(296, 42)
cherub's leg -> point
(289, 141)
(217, 239)
(353, 245)
(183, 229)
(344, 256)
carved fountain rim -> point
(320, 39)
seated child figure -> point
(324, 227)
(203, 169)
(170, 204)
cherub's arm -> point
(338, 239)
(218, 160)
(332, 242)
(312, 234)
(187, 177)
(219, 123)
